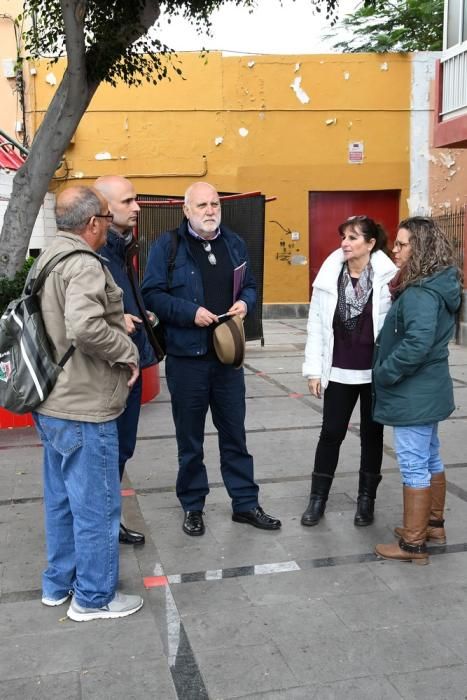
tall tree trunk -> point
(32, 180)
(61, 120)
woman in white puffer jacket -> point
(349, 303)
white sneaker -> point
(121, 606)
(51, 603)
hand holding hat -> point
(239, 308)
(229, 341)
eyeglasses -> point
(399, 244)
(211, 257)
(109, 217)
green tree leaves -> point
(399, 25)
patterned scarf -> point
(352, 300)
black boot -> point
(368, 483)
(320, 486)
(314, 511)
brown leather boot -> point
(435, 532)
(412, 545)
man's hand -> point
(314, 386)
(130, 321)
(238, 309)
(134, 369)
(204, 317)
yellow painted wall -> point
(158, 135)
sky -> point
(291, 28)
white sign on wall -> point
(356, 152)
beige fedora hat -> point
(229, 341)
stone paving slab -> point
(433, 684)
(54, 686)
(362, 688)
(244, 669)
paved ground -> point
(239, 613)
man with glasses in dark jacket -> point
(119, 252)
(189, 293)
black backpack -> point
(28, 371)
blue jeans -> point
(82, 509)
(417, 450)
(127, 425)
(197, 385)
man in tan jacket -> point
(82, 306)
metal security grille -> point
(453, 224)
(243, 213)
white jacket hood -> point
(329, 272)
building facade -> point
(449, 135)
(322, 136)
(17, 102)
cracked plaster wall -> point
(448, 179)
(438, 175)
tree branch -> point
(74, 13)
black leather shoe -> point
(314, 511)
(258, 518)
(193, 523)
(365, 511)
(127, 536)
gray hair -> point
(186, 198)
(73, 214)
(189, 190)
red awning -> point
(9, 157)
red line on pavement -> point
(128, 492)
(155, 581)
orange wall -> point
(158, 136)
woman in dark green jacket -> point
(412, 386)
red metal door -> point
(329, 209)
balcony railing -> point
(454, 225)
(454, 99)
